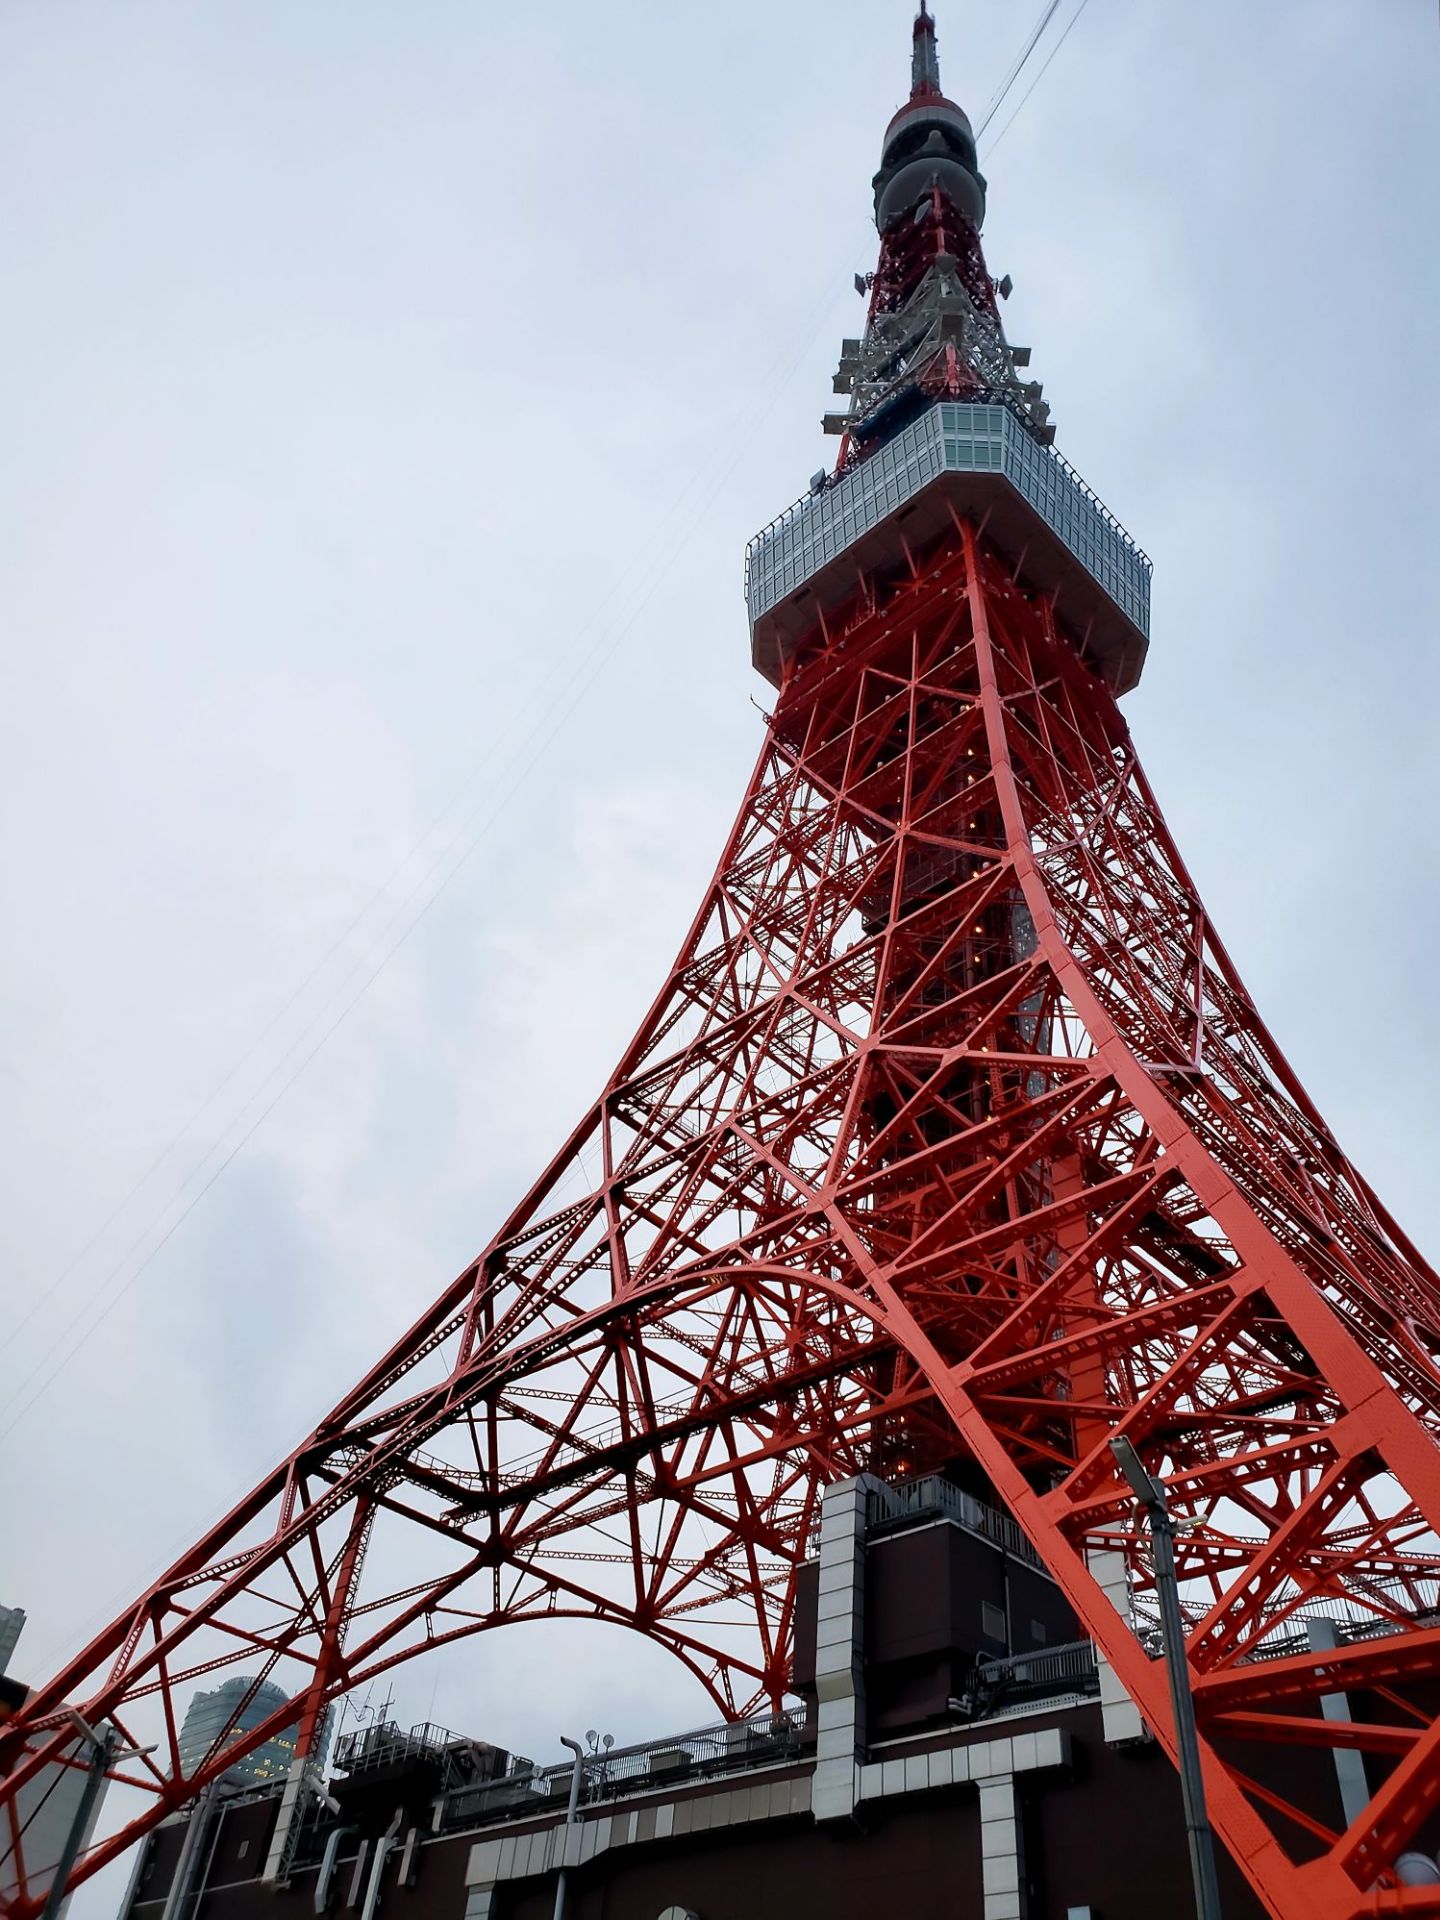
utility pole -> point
(1150, 1492)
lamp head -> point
(1145, 1489)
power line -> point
(47, 1293)
(137, 1186)
(1047, 14)
(592, 665)
(560, 672)
(1016, 69)
(1069, 28)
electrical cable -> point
(389, 880)
(1069, 28)
(384, 887)
(581, 687)
(143, 1180)
(1017, 67)
(1047, 14)
(560, 670)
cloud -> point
(362, 415)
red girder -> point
(951, 1121)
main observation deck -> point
(968, 458)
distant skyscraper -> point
(233, 1708)
(12, 1619)
(44, 1811)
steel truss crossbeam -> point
(952, 1135)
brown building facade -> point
(957, 1750)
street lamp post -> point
(1150, 1492)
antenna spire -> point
(924, 62)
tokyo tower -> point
(952, 1143)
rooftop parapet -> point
(975, 460)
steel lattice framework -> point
(951, 1137)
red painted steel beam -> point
(951, 1136)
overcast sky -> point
(386, 395)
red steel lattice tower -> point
(952, 1142)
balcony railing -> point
(949, 437)
(704, 1754)
(1027, 1677)
(892, 1506)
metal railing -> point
(1287, 1633)
(1354, 1620)
(934, 1495)
(1021, 1677)
(385, 1744)
(458, 1760)
(817, 527)
(706, 1753)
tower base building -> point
(955, 1752)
